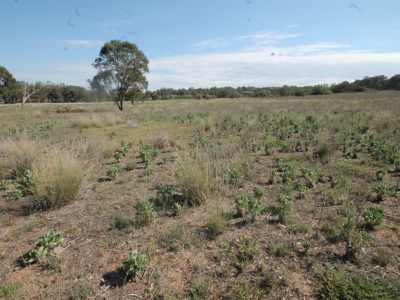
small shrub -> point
(353, 237)
(258, 192)
(134, 264)
(255, 208)
(284, 208)
(113, 172)
(373, 217)
(176, 239)
(245, 291)
(382, 258)
(43, 245)
(82, 291)
(145, 213)
(236, 175)
(241, 203)
(147, 153)
(278, 250)
(246, 251)
(216, 224)
(199, 289)
(332, 227)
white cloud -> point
(297, 65)
(80, 43)
(260, 38)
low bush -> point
(134, 264)
(144, 212)
(373, 217)
(43, 245)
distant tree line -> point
(379, 82)
(13, 91)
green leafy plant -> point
(134, 264)
(373, 217)
(247, 250)
(113, 172)
(147, 153)
(241, 203)
(284, 207)
(43, 245)
(145, 213)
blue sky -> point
(203, 43)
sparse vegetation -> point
(225, 198)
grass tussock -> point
(53, 178)
(21, 154)
(58, 179)
(197, 179)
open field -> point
(294, 198)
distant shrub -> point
(144, 212)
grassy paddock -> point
(225, 188)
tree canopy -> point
(121, 68)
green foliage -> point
(177, 238)
(148, 152)
(9, 291)
(121, 67)
(236, 175)
(258, 193)
(373, 217)
(144, 212)
(284, 208)
(113, 172)
(355, 286)
(43, 245)
(134, 264)
(199, 289)
(82, 291)
(246, 251)
(353, 237)
(278, 250)
(121, 152)
(246, 204)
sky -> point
(205, 43)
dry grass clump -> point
(58, 179)
(54, 177)
(197, 179)
(96, 121)
(21, 154)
